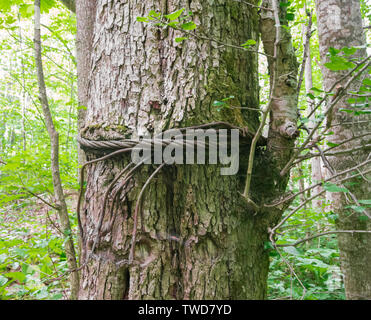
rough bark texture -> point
(196, 238)
(340, 25)
(283, 115)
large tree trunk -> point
(197, 236)
(340, 25)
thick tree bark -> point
(340, 25)
(197, 238)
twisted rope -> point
(119, 147)
(131, 143)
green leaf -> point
(3, 257)
(304, 120)
(333, 51)
(285, 4)
(339, 64)
(175, 15)
(349, 51)
(291, 250)
(10, 20)
(19, 276)
(333, 217)
(21, 252)
(330, 187)
(358, 209)
(316, 89)
(57, 296)
(268, 245)
(154, 14)
(310, 95)
(42, 294)
(142, 19)
(346, 110)
(189, 26)
(173, 24)
(365, 201)
(218, 103)
(180, 39)
(249, 42)
(290, 16)
(46, 5)
(3, 280)
(331, 144)
(26, 10)
(361, 112)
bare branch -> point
(318, 184)
(313, 197)
(327, 153)
(328, 110)
(41, 199)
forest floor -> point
(32, 258)
(33, 262)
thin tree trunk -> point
(340, 25)
(54, 142)
(23, 97)
(315, 162)
(84, 40)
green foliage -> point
(175, 15)
(31, 249)
(341, 59)
(248, 43)
(177, 20)
(26, 7)
(330, 187)
(31, 256)
(316, 263)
